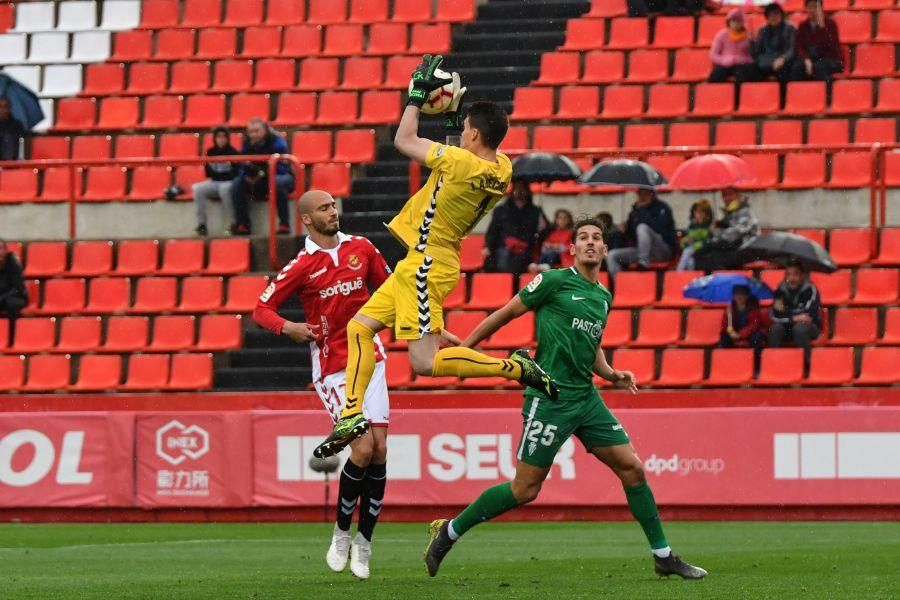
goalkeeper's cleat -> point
(360, 551)
(339, 550)
(533, 375)
(673, 565)
(345, 431)
(438, 546)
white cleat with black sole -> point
(360, 551)
(339, 551)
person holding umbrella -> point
(738, 227)
(742, 323)
(796, 310)
(651, 232)
(11, 132)
(514, 231)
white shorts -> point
(376, 407)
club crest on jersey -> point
(534, 283)
(353, 262)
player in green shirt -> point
(571, 309)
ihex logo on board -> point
(176, 442)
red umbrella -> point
(711, 172)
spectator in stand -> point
(737, 227)
(13, 293)
(613, 237)
(218, 182)
(555, 248)
(730, 52)
(12, 132)
(796, 310)
(650, 230)
(742, 323)
(253, 178)
(773, 47)
(696, 235)
(516, 226)
(818, 47)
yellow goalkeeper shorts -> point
(412, 298)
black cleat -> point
(438, 546)
(345, 431)
(673, 565)
(533, 375)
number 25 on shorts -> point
(541, 433)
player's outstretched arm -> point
(621, 379)
(497, 319)
(407, 139)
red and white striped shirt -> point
(332, 285)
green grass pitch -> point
(496, 560)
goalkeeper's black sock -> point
(372, 499)
(352, 482)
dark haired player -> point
(571, 309)
(465, 183)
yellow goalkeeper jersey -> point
(461, 189)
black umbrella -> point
(624, 173)
(23, 102)
(782, 248)
(544, 167)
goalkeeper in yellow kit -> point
(465, 183)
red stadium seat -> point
(854, 26)
(877, 287)
(703, 327)
(104, 79)
(334, 178)
(201, 294)
(635, 288)
(302, 40)
(658, 328)
(665, 164)
(108, 295)
(284, 12)
(296, 109)
(765, 166)
(803, 170)
(532, 104)
(216, 43)
(388, 39)
(850, 96)
(337, 108)
(312, 146)
(377, 107)
(219, 333)
(398, 371)
(425, 38)
(90, 259)
(455, 11)
(34, 335)
(126, 334)
(891, 327)
(470, 257)
(640, 362)
(673, 286)
(553, 138)
(559, 68)
(135, 146)
(691, 65)
(91, 146)
(104, 184)
(780, 367)
(412, 11)
(603, 67)
(248, 106)
(598, 136)
(618, 329)
(816, 235)
(628, 33)
(172, 333)
(345, 39)
(327, 11)
(869, 131)
(643, 136)
(782, 131)
(464, 322)
(182, 257)
(892, 168)
(759, 98)
(889, 25)
(687, 134)
(132, 45)
(708, 27)
(849, 247)
(155, 294)
(584, 34)
(189, 77)
(736, 133)
(854, 327)
(669, 100)
(354, 145)
(76, 113)
(47, 373)
(191, 372)
(608, 8)
(12, 373)
(680, 368)
(368, 11)
(243, 13)
(147, 372)
(825, 132)
(456, 298)
(274, 74)
(18, 185)
(888, 247)
(516, 138)
(830, 366)
(175, 44)
(79, 334)
(490, 290)
(202, 13)
(622, 102)
(879, 366)
(56, 184)
(148, 182)
(46, 259)
(98, 372)
(243, 292)
(262, 41)
(161, 112)
(137, 257)
(673, 32)
(45, 147)
(834, 288)
(713, 100)
(232, 75)
(204, 111)
(873, 60)
(888, 95)
(159, 14)
(850, 170)
(518, 333)
(362, 72)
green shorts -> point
(548, 424)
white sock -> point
(453, 535)
(662, 552)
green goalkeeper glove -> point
(454, 117)
(423, 79)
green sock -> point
(643, 507)
(492, 502)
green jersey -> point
(570, 316)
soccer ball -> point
(440, 99)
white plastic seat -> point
(61, 80)
(119, 15)
(29, 76)
(13, 48)
(35, 16)
(47, 123)
(77, 16)
(49, 47)
(90, 46)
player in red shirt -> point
(331, 276)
